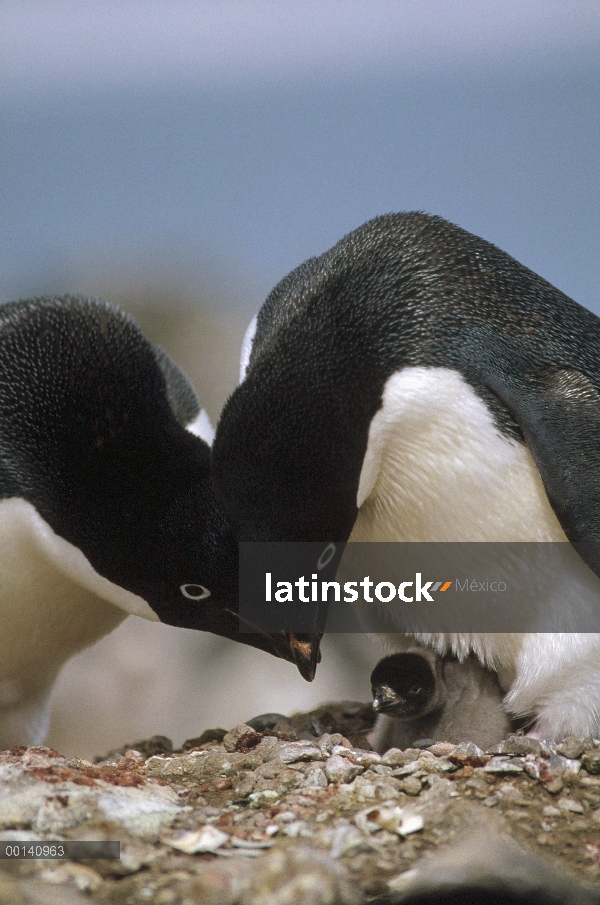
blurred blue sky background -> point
(223, 143)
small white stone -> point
(206, 839)
(568, 804)
(297, 828)
(411, 823)
(550, 811)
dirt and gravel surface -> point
(300, 810)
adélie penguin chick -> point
(107, 506)
(420, 695)
(415, 383)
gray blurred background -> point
(180, 158)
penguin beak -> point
(384, 699)
(305, 650)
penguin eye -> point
(194, 591)
(326, 556)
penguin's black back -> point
(404, 290)
(425, 292)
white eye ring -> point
(194, 591)
(326, 556)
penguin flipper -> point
(558, 411)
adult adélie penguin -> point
(415, 383)
(107, 505)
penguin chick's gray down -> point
(107, 506)
(415, 383)
(420, 695)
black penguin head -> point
(93, 434)
(403, 686)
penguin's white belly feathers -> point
(52, 605)
(438, 469)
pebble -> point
(299, 751)
(364, 758)
(340, 769)
(286, 816)
(573, 747)
(503, 765)
(411, 823)
(437, 765)
(551, 811)
(412, 785)
(297, 828)
(592, 782)
(231, 738)
(442, 749)
(572, 767)
(245, 785)
(381, 770)
(369, 820)
(519, 745)
(591, 761)
(407, 769)
(568, 804)
(469, 749)
(478, 785)
(316, 778)
(329, 741)
(394, 757)
(206, 839)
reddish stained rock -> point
(49, 766)
(87, 776)
(469, 760)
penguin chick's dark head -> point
(95, 436)
(403, 685)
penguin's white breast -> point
(52, 602)
(437, 468)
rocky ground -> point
(300, 810)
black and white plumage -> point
(415, 383)
(420, 695)
(107, 505)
